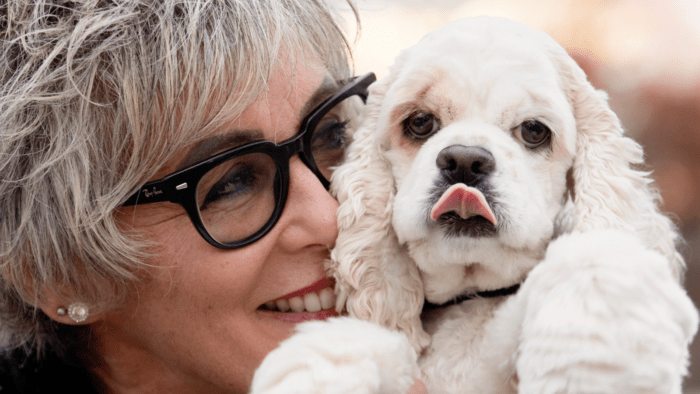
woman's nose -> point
(309, 216)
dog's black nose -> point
(465, 164)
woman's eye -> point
(421, 125)
(534, 133)
(235, 183)
(330, 135)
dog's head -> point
(480, 136)
(461, 168)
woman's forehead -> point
(275, 115)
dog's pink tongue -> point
(463, 200)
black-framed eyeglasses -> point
(235, 197)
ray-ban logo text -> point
(152, 192)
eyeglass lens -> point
(330, 137)
(238, 197)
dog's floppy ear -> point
(376, 280)
(608, 192)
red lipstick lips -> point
(321, 284)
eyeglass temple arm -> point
(157, 191)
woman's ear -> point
(608, 191)
(65, 310)
(375, 278)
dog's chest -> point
(470, 348)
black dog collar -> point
(481, 294)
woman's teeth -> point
(311, 302)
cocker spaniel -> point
(492, 180)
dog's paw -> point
(340, 355)
(603, 314)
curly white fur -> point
(601, 308)
(342, 356)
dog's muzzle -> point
(460, 205)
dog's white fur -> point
(347, 356)
(600, 308)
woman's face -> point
(200, 323)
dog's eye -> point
(534, 133)
(421, 125)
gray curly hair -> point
(96, 95)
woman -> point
(117, 275)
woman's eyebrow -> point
(327, 88)
(218, 143)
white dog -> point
(490, 178)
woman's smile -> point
(313, 302)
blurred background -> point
(644, 53)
